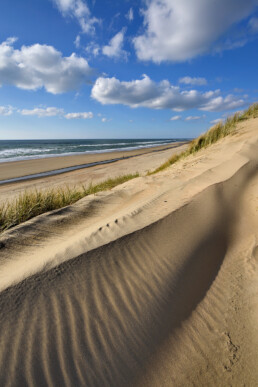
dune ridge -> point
(150, 284)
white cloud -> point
(193, 81)
(43, 112)
(80, 11)
(193, 118)
(217, 121)
(53, 111)
(104, 119)
(130, 15)
(82, 115)
(77, 41)
(253, 24)
(146, 93)
(37, 66)
(114, 48)
(93, 48)
(230, 102)
(6, 110)
(175, 118)
(180, 30)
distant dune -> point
(154, 283)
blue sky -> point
(124, 69)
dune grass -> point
(215, 133)
(32, 203)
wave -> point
(18, 154)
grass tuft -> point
(214, 134)
(32, 203)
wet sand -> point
(139, 161)
(16, 169)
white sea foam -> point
(25, 153)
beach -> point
(153, 283)
(118, 163)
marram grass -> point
(32, 203)
(215, 133)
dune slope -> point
(154, 283)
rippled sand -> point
(154, 283)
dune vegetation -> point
(32, 203)
(214, 134)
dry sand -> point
(140, 160)
(154, 283)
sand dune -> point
(152, 284)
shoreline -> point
(22, 170)
(152, 283)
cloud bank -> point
(37, 66)
(163, 95)
(181, 30)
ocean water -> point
(13, 150)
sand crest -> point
(151, 284)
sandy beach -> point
(16, 169)
(153, 283)
(140, 160)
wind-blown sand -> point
(154, 283)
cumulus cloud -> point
(79, 10)
(193, 81)
(114, 48)
(230, 102)
(6, 110)
(81, 115)
(180, 30)
(163, 95)
(130, 15)
(37, 66)
(42, 112)
(175, 118)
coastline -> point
(29, 169)
(141, 161)
(161, 269)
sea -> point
(14, 150)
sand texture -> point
(154, 283)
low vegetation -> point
(215, 133)
(32, 203)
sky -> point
(124, 68)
